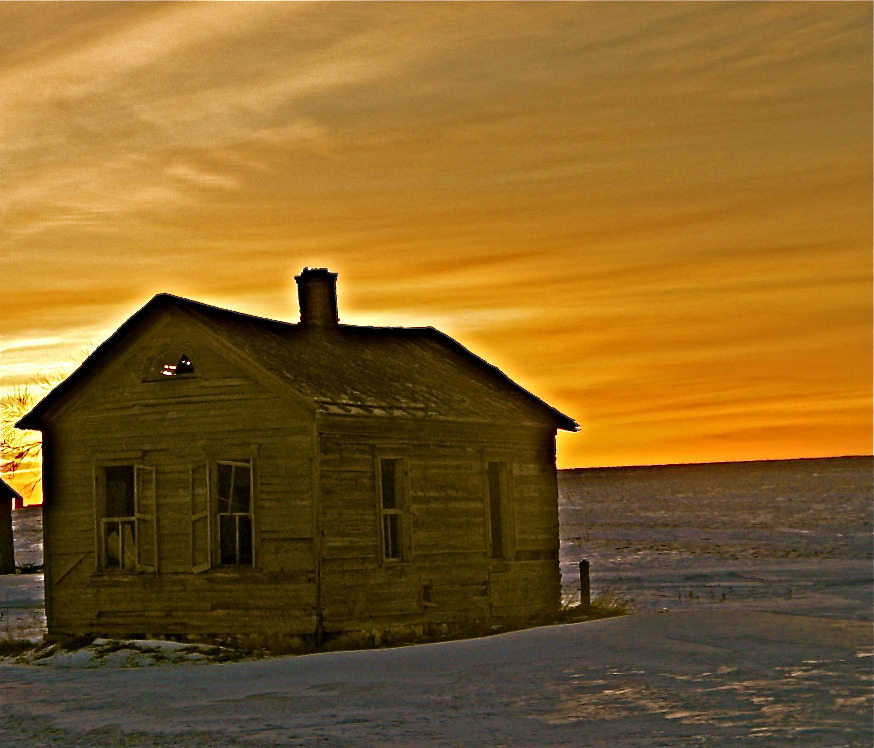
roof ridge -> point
(369, 365)
(296, 325)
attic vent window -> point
(175, 367)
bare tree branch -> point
(20, 451)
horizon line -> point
(715, 462)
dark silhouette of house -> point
(8, 493)
(214, 474)
(9, 499)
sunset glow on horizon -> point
(656, 216)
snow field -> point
(753, 628)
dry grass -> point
(10, 647)
(607, 604)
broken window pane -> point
(177, 366)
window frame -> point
(499, 508)
(161, 365)
(142, 522)
(396, 516)
(206, 529)
(234, 465)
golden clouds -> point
(640, 211)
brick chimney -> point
(317, 294)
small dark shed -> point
(9, 499)
(8, 493)
(213, 474)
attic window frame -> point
(169, 371)
(162, 368)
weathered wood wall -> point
(174, 425)
(447, 517)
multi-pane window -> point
(234, 499)
(391, 510)
(127, 518)
(221, 515)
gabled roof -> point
(384, 371)
(8, 492)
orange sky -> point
(655, 216)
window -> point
(126, 504)
(497, 493)
(221, 515)
(391, 509)
(168, 364)
(234, 493)
(174, 367)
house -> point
(9, 499)
(210, 474)
(8, 493)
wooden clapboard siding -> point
(448, 510)
(174, 425)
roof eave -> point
(561, 421)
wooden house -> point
(212, 474)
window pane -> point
(241, 489)
(111, 545)
(234, 487)
(224, 487)
(244, 541)
(119, 491)
(119, 545)
(228, 538)
(235, 539)
(388, 473)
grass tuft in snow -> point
(608, 604)
(10, 647)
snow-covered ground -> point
(754, 590)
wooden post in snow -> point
(585, 587)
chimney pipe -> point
(317, 294)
